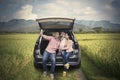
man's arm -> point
(41, 33)
(45, 36)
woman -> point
(63, 41)
(66, 52)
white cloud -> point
(89, 11)
(79, 9)
(25, 13)
(63, 8)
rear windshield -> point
(57, 25)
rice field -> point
(15, 53)
(16, 59)
(103, 50)
(16, 56)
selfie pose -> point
(50, 51)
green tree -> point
(98, 29)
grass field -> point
(16, 56)
(103, 50)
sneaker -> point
(64, 73)
(67, 65)
(44, 73)
(52, 76)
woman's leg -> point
(67, 65)
(68, 55)
(63, 53)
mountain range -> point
(21, 25)
(107, 25)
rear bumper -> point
(73, 61)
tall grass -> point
(16, 59)
(15, 53)
(103, 50)
(16, 56)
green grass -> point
(16, 57)
(15, 53)
(103, 50)
(92, 72)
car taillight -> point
(37, 52)
(76, 51)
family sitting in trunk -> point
(64, 44)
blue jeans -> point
(65, 56)
(52, 56)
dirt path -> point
(80, 75)
(72, 74)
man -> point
(50, 51)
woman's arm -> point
(69, 45)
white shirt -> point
(62, 43)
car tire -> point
(36, 65)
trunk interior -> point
(43, 45)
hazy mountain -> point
(84, 28)
(21, 25)
(107, 25)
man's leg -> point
(53, 62)
(44, 61)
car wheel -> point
(36, 65)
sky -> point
(78, 9)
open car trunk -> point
(56, 23)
